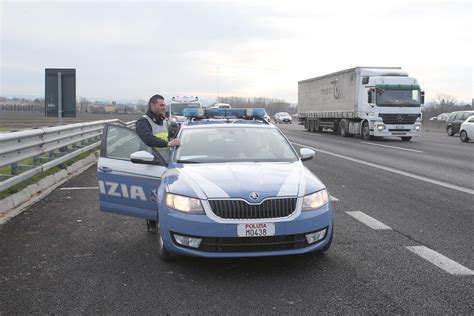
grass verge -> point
(20, 186)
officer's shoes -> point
(151, 226)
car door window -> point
(121, 142)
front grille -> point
(239, 209)
(399, 118)
(252, 244)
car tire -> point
(164, 254)
(406, 138)
(463, 136)
(450, 131)
(306, 125)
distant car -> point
(441, 117)
(266, 117)
(466, 131)
(282, 117)
(221, 106)
(454, 121)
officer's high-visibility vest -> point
(159, 131)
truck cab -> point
(390, 102)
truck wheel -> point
(164, 254)
(317, 126)
(366, 131)
(343, 129)
(311, 126)
(450, 131)
(463, 136)
(306, 125)
(406, 138)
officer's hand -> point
(175, 142)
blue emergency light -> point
(249, 113)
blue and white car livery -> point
(234, 188)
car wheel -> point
(463, 136)
(406, 138)
(450, 131)
(164, 254)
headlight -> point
(380, 127)
(315, 200)
(417, 127)
(184, 204)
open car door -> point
(125, 187)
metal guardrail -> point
(48, 147)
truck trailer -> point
(367, 101)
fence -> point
(47, 148)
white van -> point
(178, 104)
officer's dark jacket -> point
(145, 132)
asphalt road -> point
(63, 255)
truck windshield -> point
(391, 97)
(177, 108)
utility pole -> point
(217, 83)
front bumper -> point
(396, 130)
(172, 221)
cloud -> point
(131, 50)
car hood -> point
(239, 180)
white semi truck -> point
(367, 101)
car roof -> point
(224, 123)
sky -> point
(130, 50)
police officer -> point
(153, 129)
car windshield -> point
(398, 97)
(233, 144)
(177, 108)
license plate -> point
(399, 127)
(256, 230)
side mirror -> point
(306, 154)
(370, 97)
(142, 157)
(422, 95)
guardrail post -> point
(36, 161)
(14, 168)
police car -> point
(235, 187)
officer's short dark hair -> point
(155, 99)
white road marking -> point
(442, 262)
(394, 147)
(80, 188)
(333, 198)
(400, 172)
(367, 220)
